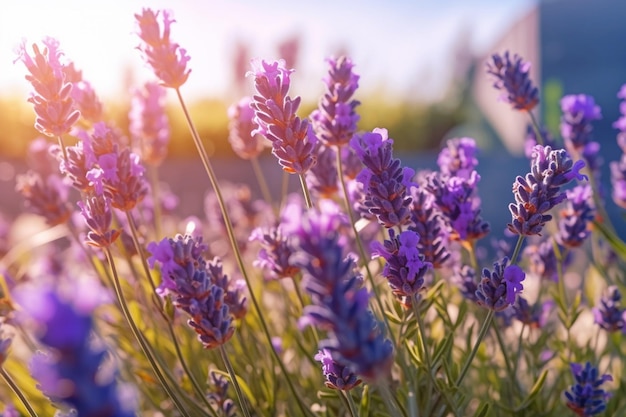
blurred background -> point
(421, 65)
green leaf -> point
(483, 410)
(534, 391)
(616, 243)
(364, 406)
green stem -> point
(422, 336)
(17, 391)
(237, 252)
(137, 333)
(233, 378)
(481, 336)
(518, 248)
(507, 362)
(305, 192)
(390, 401)
(536, 128)
(351, 405)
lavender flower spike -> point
(618, 168)
(585, 398)
(335, 119)
(497, 290)
(540, 190)
(575, 218)
(245, 143)
(338, 377)
(511, 77)
(292, 138)
(610, 315)
(386, 183)
(578, 112)
(167, 58)
(149, 125)
(458, 158)
(405, 268)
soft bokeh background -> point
(421, 66)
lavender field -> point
(319, 272)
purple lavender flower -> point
(585, 398)
(97, 212)
(427, 222)
(543, 260)
(465, 279)
(149, 125)
(47, 197)
(276, 251)
(292, 138)
(386, 183)
(405, 268)
(540, 190)
(83, 94)
(5, 344)
(196, 287)
(511, 76)
(167, 58)
(458, 158)
(618, 168)
(578, 113)
(10, 411)
(337, 376)
(218, 395)
(575, 218)
(241, 125)
(71, 374)
(335, 119)
(534, 316)
(610, 315)
(497, 290)
(456, 199)
(339, 302)
(322, 178)
(51, 98)
(620, 124)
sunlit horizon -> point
(402, 49)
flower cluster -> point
(610, 315)
(512, 77)
(386, 183)
(337, 376)
(540, 190)
(149, 125)
(618, 168)
(192, 283)
(167, 59)
(497, 289)
(575, 218)
(292, 138)
(245, 143)
(585, 398)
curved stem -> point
(138, 336)
(481, 336)
(354, 412)
(156, 198)
(17, 391)
(422, 332)
(518, 248)
(536, 128)
(237, 252)
(62, 146)
(258, 172)
(233, 378)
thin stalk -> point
(305, 192)
(422, 336)
(354, 411)
(140, 252)
(390, 401)
(137, 333)
(233, 378)
(533, 120)
(258, 172)
(156, 198)
(359, 243)
(17, 391)
(518, 248)
(237, 252)
(62, 146)
(481, 336)
(509, 368)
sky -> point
(398, 46)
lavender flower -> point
(456, 199)
(540, 190)
(47, 197)
(337, 376)
(219, 395)
(83, 94)
(458, 158)
(335, 119)
(322, 178)
(534, 316)
(427, 222)
(544, 260)
(70, 373)
(578, 113)
(5, 344)
(618, 168)
(339, 303)
(575, 218)
(531, 140)
(149, 125)
(97, 212)
(192, 283)
(54, 107)
(121, 176)
(465, 279)
(386, 183)
(167, 59)
(405, 268)
(497, 290)
(240, 127)
(275, 254)
(610, 315)
(512, 78)
(10, 411)
(275, 113)
(585, 398)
